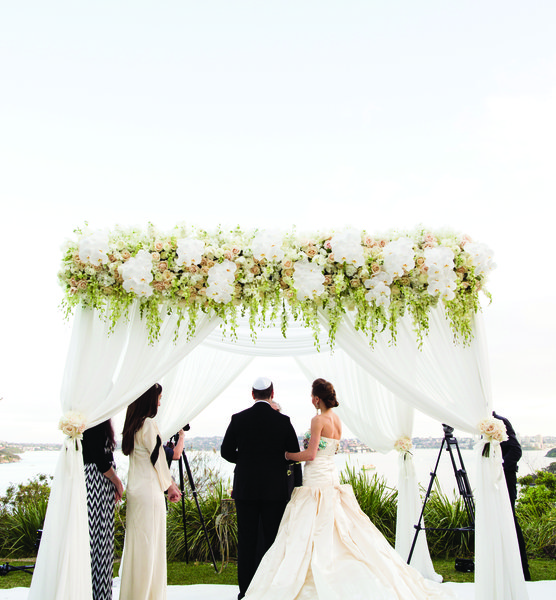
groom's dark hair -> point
(263, 394)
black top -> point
(256, 440)
(96, 448)
(511, 448)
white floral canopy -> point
(393, 320)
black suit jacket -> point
(511, 448)
(256, 440)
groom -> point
(256, 440)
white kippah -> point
(262, 383)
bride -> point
(326, 547)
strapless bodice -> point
(322, 472)
(329, 448)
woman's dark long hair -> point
(325, 391)
(108, 430)
(145, 406)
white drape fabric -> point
(194, 383)
(105, 371)
(378, 419)
(450, 384)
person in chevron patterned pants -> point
(104, 489)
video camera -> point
(176, 436)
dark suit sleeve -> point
(228, 450)
(292, 441)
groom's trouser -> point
(252, 515)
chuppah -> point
(398, 314)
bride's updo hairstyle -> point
(325, 391)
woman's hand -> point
(119, 488)
(116, 482)
(174, 493)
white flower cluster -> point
(379, 290)
(189, 251)
(137, 274)
(442, 279)
(73, 424)
(93, 248)
(481, 256)
(267, 245)
(221, 278)
(493, 429)
(308, 280)
(347, 247)
(403, 444)
(399, 257)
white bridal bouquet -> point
(493, 430)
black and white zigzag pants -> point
(100, 507)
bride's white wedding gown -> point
(328, 549)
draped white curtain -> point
(105, 371)
(378, 418)
(451, 384)
(194, 383)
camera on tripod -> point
(176, 436)
(447, 430)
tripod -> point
(183, 462)
(463, 485)
(7, 568)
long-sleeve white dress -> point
(143, 573)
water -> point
(386, 465)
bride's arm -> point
(311, 452)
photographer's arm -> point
(178, 448)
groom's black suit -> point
(256, 441)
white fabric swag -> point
(379, 387)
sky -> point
(316, 114)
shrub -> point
(22, 513)
(449, 513)
(536, 512)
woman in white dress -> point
(143, 575)
(326, 547)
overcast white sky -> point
(375, 114)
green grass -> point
(194, 573)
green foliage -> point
(445, 512)
(221, 528)
(551, 467)
(536, 512)
(22, 513)
(376, 499)
(23, 494)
